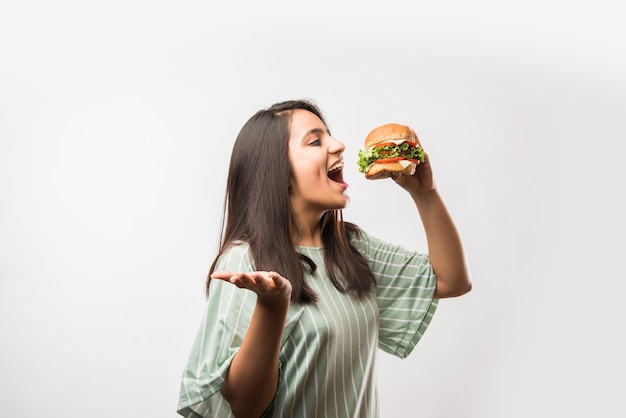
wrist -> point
(423, 197)
(273, 307)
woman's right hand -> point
(270, 287)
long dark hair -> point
(257, 209)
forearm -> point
(252, 378)
(445, 248)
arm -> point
(445, 248)
(252, 377)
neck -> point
(309, 232)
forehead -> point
(303, 122)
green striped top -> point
(329, 348)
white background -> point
(116, 123)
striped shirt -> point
(328, 352)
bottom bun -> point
(384, 170)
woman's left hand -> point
(421, 181)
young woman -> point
(299, 301)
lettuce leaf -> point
(369, 157)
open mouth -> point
(335, 173)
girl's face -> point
(316, 159)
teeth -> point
(337, 166)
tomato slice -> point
(389, 160)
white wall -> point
(116, 122)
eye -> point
(316, 143)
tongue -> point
(336, 176)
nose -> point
(336, 146)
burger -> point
(390, 148)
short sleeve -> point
(221, 332)
(405, 288)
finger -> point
(238, 282)
(398, 178)
(246, 280)
(260, 281)
(255, 281)
(264, 280)
(222, 275)
(275, 278)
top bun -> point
(387, 132)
